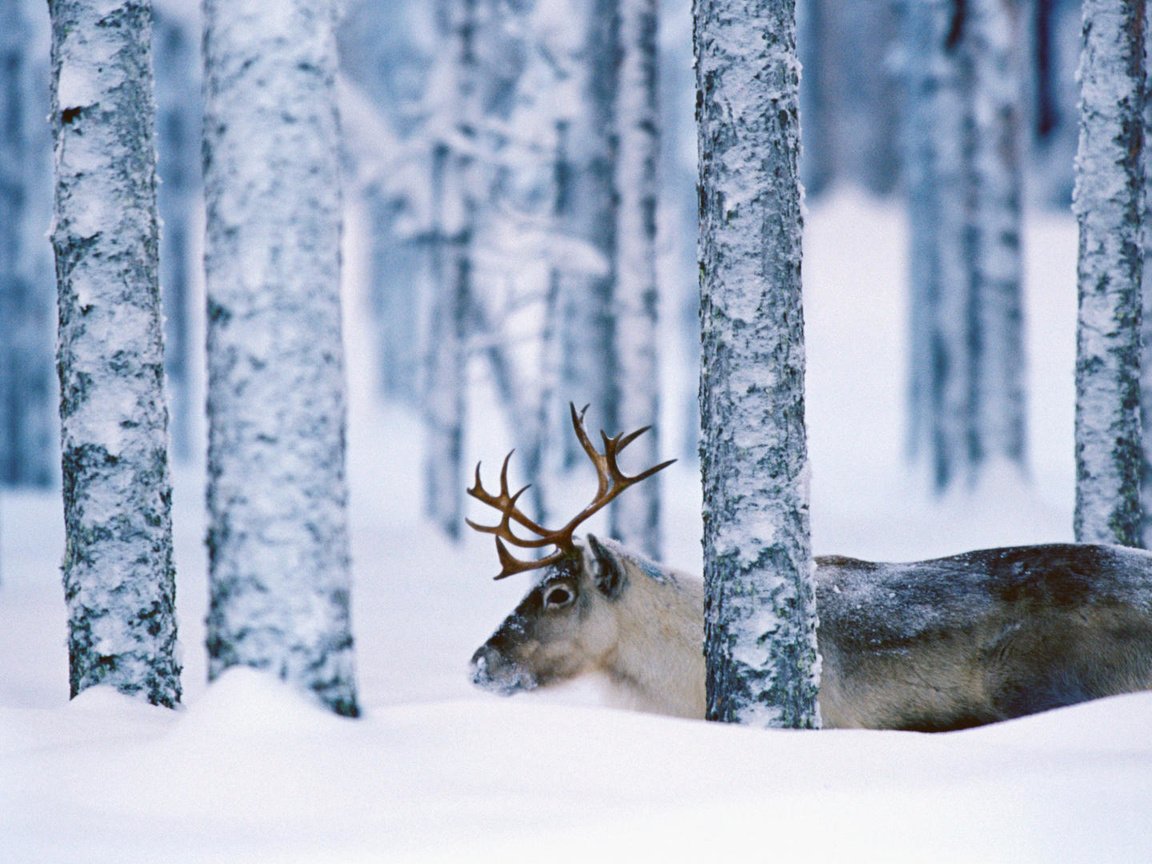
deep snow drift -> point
(251, 771)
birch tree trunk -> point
(278, 536)
(636, 520)
(118, 573)
(1146, 310)
(939, 144)
(760, 616)
(999, 409)
(28, 403)
(589, 337)
(1108, 206)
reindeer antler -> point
(611, 481)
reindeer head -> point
(564, 625)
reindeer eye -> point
(559, 596)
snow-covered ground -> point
(249, 771)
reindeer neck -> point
(659, 658)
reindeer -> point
(934, 645)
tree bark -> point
(1146, 312)
(277, 495)
(1108, 206)
(118, 573)
(760, 617)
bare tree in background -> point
(178, 114)
(963, 107)
(28, 404)
(636, 520)
(453, 267)
(277, 495)
(588, 321)
(999, 408)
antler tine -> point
(511, 565)
(625, 440)
(613, 447)
(611, 481)
(594, 455)
(505, 504)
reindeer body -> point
(930, 645)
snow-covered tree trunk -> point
(1146, 309)
(178, 131)
(1108, 206)
(999, 411)
(118, 573)
(28, 454)
(278, 536)
(636, 519)
(760, 616)
(588, 297)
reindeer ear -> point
(607, 570)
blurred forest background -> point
(480, 138)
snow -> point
(252, 771)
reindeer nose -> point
(485, 662)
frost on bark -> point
(636, 519)
(1146, 315)
(998, 397)
(1107, 203)
(28, 455)
(278, 536)
(760, 617)
(118, 573)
